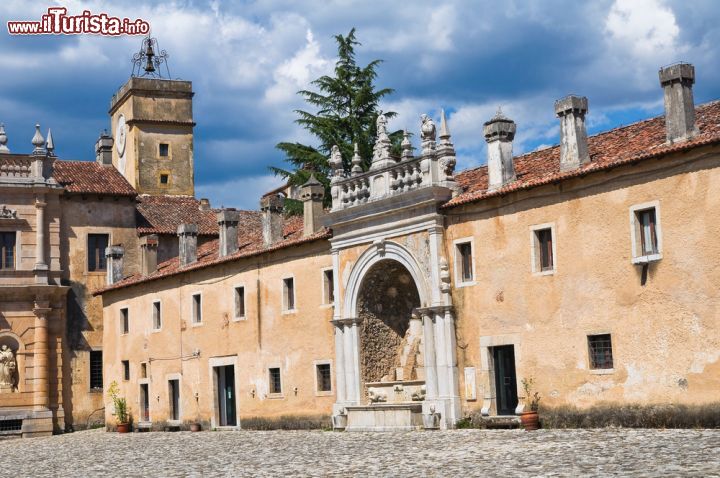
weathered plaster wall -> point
(83, 216)
(266, 337)
(665, 334)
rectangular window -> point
(289, 293)
(239, 302)
(324, 379)
(157, 315)
(464, 251)
(97, 243)
(275, 382)
(7, 250)
(96, 370)
(126, 369)
(124, 321)
(174, 394)
(143, 370)
(600, 348)
(544, 241)
(197, 308)
(648, 231)
(164, 179)
(164, 150)
(328, 287)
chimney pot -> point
(228, 220)
(499, 133)
(114, 258)
(676, 81)
(312, 194)
(148, 253)
(573, 134)
(272, 218)
(103, 149)
(204, 204)
(187, 251)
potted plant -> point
(121, 411)
(529, 418)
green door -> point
(505, 379)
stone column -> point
(451, 375)
(41, 267)
(341, 392)
(354, 328)
(349, 363)
(431, 381)
(441, 355)
(41, 397)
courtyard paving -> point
(577, 453)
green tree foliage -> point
(346, 106)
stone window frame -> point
(193, 313)
(223, 361)
(487, 342)
(167, 173)
(285, 309)
(271, 395)
(326, 303)
(18, 246)
(159, 317)
(169, 148)
(325, 393)
(178, 377)
(535, 266)
(457, 261)
(243, 317)
(124, 319)
(637, 256)
(86, 238)
(613, 349)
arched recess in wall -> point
(15, 344)
(379, 251)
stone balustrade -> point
(16, 166)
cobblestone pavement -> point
(577, 453)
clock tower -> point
(151, 119)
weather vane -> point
(147, 62)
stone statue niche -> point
(391, 346)
(8, 370)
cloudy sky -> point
(248, 58)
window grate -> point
(600, 351)
(14, 425)
(324, 380)
(96, 370)
(275, 383)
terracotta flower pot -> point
(123, 427)
(195, 427)
(529, 420)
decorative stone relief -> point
(444, 276)
(427, 134)
(336, 163)
(7, 213)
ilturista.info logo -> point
(57, 22)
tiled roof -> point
(250, 244)
(89, 177)
(163, 214)
(627, 144)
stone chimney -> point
(148, 253)
(103, 149)
(228, 220)
(499, 133)
(187, 250)
(114, 259)
(272, 218)
(677, 81)
(312, 194)
(204, 204)
(573, 135)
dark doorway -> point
(144, 403)
(505, 379)
(225, 380)
(174, 392)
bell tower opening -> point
(152, 123)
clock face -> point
(120, 137)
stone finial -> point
(187, 250)
(444, 130)
(427, 134)
(312, 194)
(336, 162)
(103, 149)
(499, 133)
(49, 143)
(272, 218)
(573, 135)
(406, 146)
(114, 259)
(148, 254)
(356, 161)
(228, 220)
(38, 141)
(677, 81)
(446, 150)
(3, 140)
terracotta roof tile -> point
(89, 177)
(249, 241)
(163, 214)
(627, 144)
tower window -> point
(96, 245)
(164, 179)
(164, 150)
